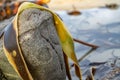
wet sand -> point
(99, 26)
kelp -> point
(13, 50)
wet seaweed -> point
(112, 6)
(2, 76)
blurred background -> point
(79, 4)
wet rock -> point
(40, 46)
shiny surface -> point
(100, 26)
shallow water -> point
(99, 26)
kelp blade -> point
(63, 34)
(14, 54)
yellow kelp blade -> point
(64, 36)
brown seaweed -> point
(74, 11)
(112, 6)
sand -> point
(78, 4)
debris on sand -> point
(74, 12)
(112, 6)
(105, 71)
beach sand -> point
(79, 4)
